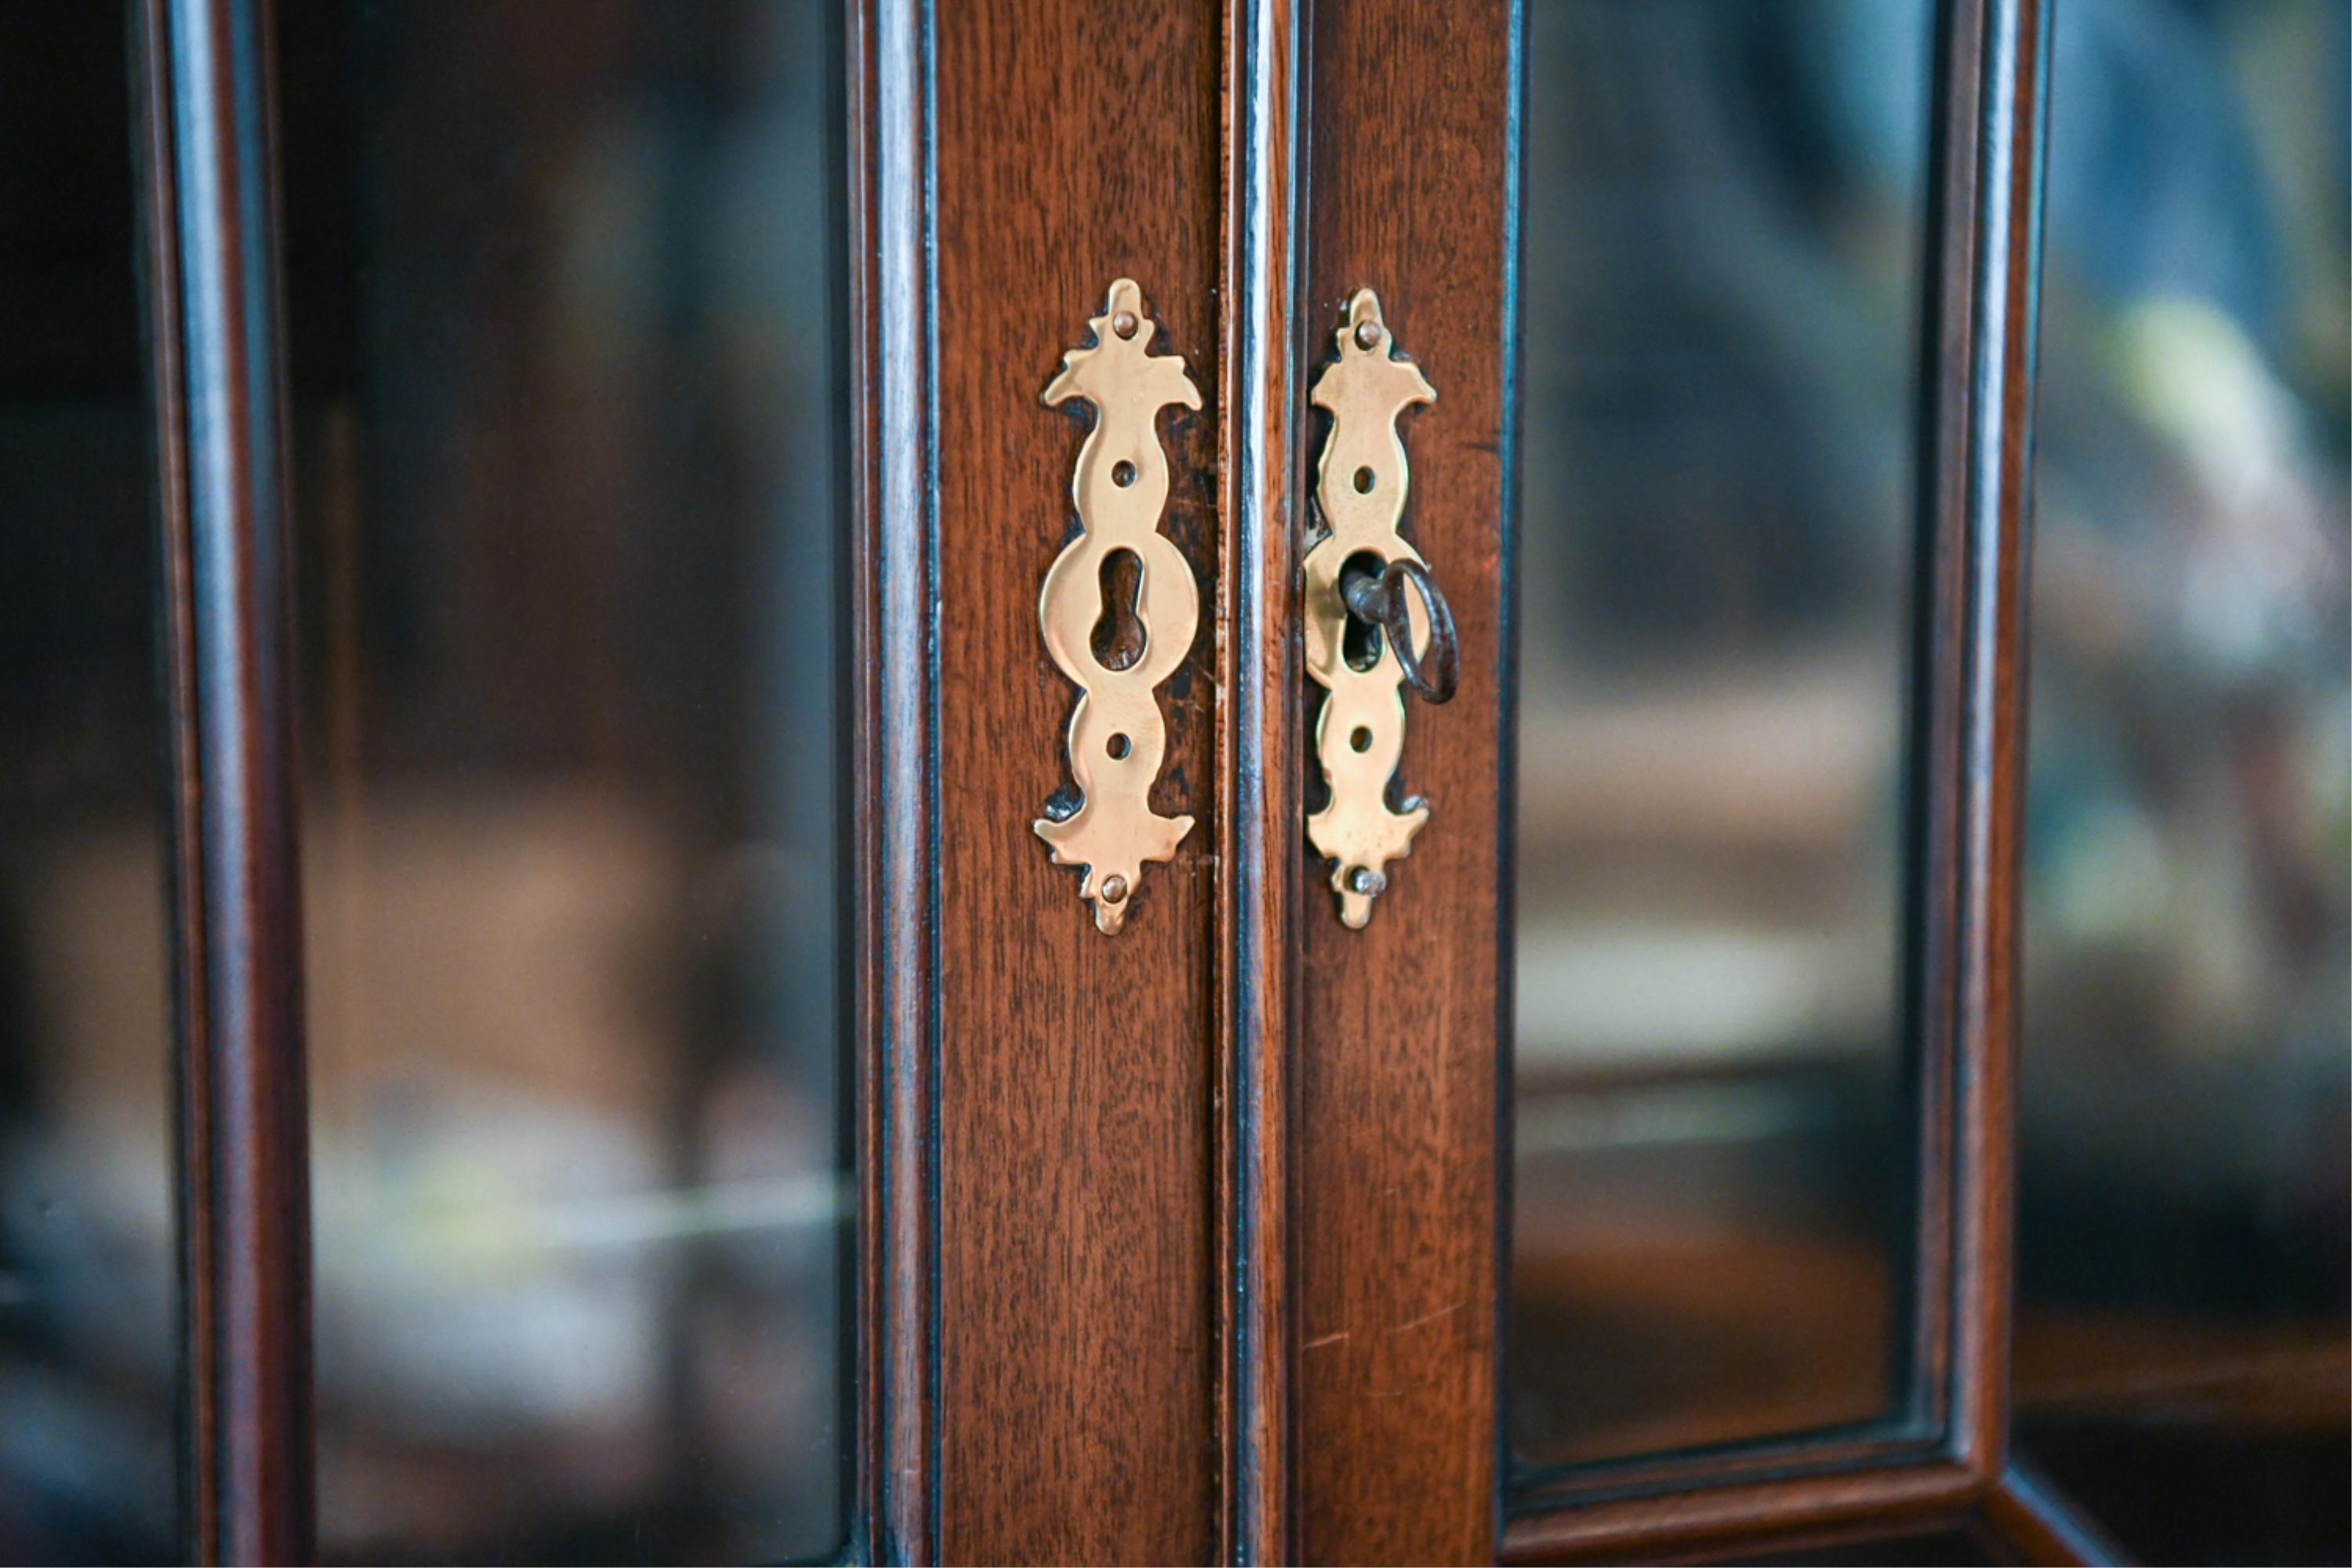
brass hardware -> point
(1115, 738)
(1360, 491)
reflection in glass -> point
(1721, 282)
(563, 349)
(89, 1342)
(2182, 1360)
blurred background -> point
(1723, 266)
(1722, 287)
(567, 370)
(568, 380)
(88, 1335)
(2182, 1361)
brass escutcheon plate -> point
(1117, 740)
(1360, 491)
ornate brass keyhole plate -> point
(1117, 740)
(1360, 491)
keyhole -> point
(1365, 480)
(1360, 739)
(1360, 642)
(1118, 637)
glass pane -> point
(563, 282)
(1722, 279)
(2182, 1361)
(89, 1342)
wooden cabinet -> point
(611, 1071)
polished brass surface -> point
(1360, 491)
(1116, 737)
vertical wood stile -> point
(2005, 262)
(217, 327)
(895, 696)
(1258, 811)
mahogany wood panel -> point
(205, 140)
(1073, 143)
(1408, 193)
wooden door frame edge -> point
(1260, 476)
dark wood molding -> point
(894, 812)
(1672, 1522)
(1963, 1531)
(208, 138)
(1743, 1467)
(191, 1073)
(2042, 1525)
(2005, 252)
(1258, 817)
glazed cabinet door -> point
(1682, 1166)
(1223, 780)
(1653, 1129)
(613, 758)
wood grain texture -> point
(1399, 1065)
(214, 295)
(1259, 808)
(1075, 143)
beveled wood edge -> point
(1803, 1545)
(1827, 1453)
(2013, 117)
(1936, 707)
(1260, 474)
(1507, 755)
(206, 135)
(893, 690)
(2042, 1525)
(1984, 244)
(2019, 1509)
(1667, 1522)
(159, 272)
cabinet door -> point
(1654, 1138)
(576, 997)
(1657, 1138)
(649, 1087)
